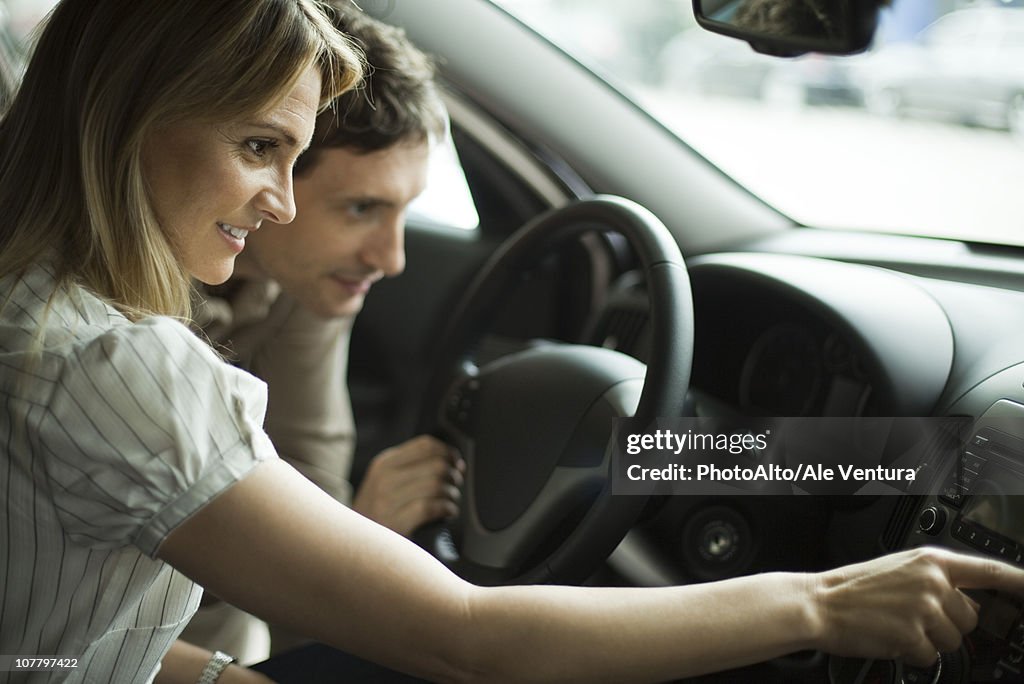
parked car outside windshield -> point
(865, 142)
(967, 67)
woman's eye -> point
(260, 147)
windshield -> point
(923, 134)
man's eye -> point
(361, 208)
(259, 146)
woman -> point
(131, 452)
(148, 137)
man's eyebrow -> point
(365, 199)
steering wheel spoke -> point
(567, 489)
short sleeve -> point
(145, 426)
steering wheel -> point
(534, 427)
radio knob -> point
(931, 520)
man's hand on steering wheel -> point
(411, 484)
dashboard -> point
(783, 335)
(786, 335)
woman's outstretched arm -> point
(276, 545)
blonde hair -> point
(104, 74)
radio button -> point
(953, 495)
(968, 478)
(977, 538)
(931, 520)
(973, 461)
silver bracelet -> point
(218, 663)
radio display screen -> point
(996, 505)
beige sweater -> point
(304, 361)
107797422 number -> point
(37, 663)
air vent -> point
(622, 323)
(622, 330)
(900, 522)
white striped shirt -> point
(109, 439)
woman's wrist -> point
(215, 666)
(811, 590)
(798, 610)
(186, 663)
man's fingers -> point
(419, 449)
(435, 471)
(422, 511)
(411, 484)
(456, 477)
(423, 489)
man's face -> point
(349, 227)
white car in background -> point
(966, 67)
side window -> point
(23, 16)
(447, 200)
(11, 62)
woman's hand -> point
(907, 605)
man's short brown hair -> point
(397, 101)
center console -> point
(978, 508)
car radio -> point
(979, 509)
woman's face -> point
(211, 184)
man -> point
(286, 313)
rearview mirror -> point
(789, 28)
